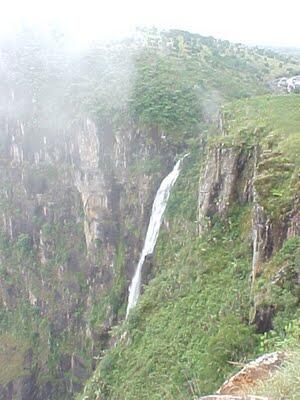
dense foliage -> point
(192, 322)
(187, 330)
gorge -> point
(123, 273)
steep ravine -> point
(226, 270)
(70, 211)
(85, 143)
(72, 208)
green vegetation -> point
(192, 321)
(164, 94)
(272, 124)
(285, 383)
(12, 358)
(278, 285)
(22, 320)
(175, 90)
(112, 300)
(186, 328)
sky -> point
(253, 22)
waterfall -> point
(158, 208)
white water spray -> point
(158, 208)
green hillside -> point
(192, 323)
(85, 140)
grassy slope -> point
(192, 320)
(12, 358)
(274, 124)
(216, 71)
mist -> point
(251, 22)
(62, 60)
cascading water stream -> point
(158, 208)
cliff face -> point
(227, 177)
(74, 209)
(74, 212)
(236, 175)
(84, 144)
(261, 174)
(226, 267)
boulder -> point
(258, 370)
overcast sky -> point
(261, 22)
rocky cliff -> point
(82, 155)
(226, 265)
(74, 211)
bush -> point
(24, 243)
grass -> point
(193, 318)
(278, 285)
(12, 358)
(272, 124)
(285, 383)
(186, 328)
(271, 120)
